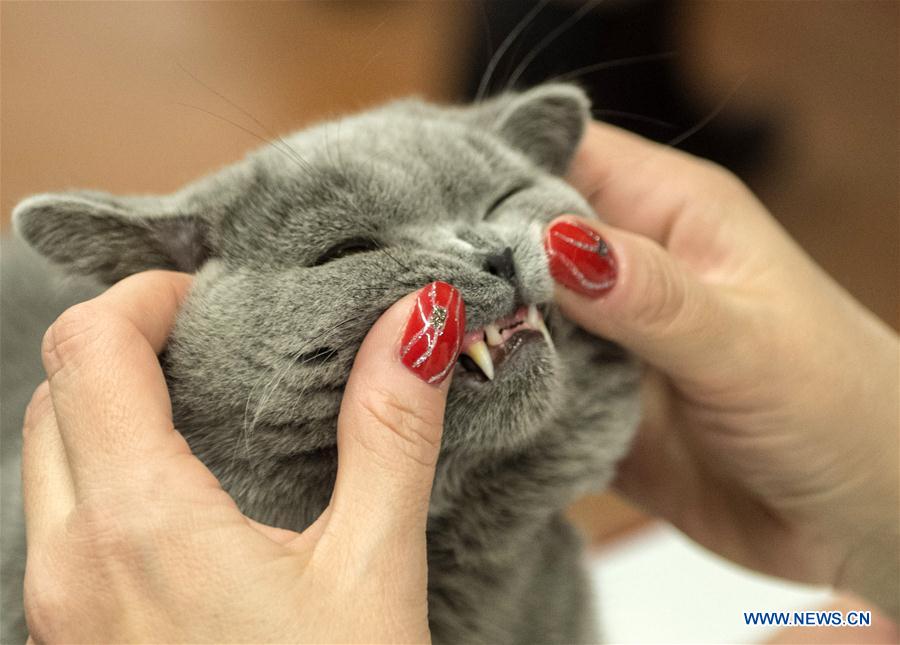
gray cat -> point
(297, 251)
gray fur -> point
(262, 348)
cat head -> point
(300, 247)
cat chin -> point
(509, 411)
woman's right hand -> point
(770, 430)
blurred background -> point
(799, 98)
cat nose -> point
(501, 265)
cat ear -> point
(546, 123)
(109, 237)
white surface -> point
(658, 587)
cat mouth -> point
(485, 350)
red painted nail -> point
(580, 259)
(434, 333)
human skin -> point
(770, 426)
(132, 539)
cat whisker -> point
(372, 236)
(506, 44)
(246, 433)
(269, 142)
(486, 28)
(610, 64)
(702, 123)
(337, 349)
(377, 54)
(399, 263)
(288, 148)
(280, 374)
(247, 424)
(328, 146)
(340, 150)
(600, 113)
(269, 388)
(547, 40)
(671, 143)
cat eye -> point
(502, 198)
(345, 248)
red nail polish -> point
(580, 259)
(434, 333)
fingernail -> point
(580, 259)
(434, 333)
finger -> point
(391, 421)
(110, 397)
(274, 533)
(658, 474)
(640, 185)
(628, 289)
(47, 487)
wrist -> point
(871, 568)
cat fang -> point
(492, 344)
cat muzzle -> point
(484, 350)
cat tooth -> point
(546, 333)
(535, 319)
(479, 353)
(492, 334)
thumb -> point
(629, 289)
(391, 420)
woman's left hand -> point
(131, 537)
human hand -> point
(131, 538)
(770, 428)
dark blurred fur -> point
(262, 348)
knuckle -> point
(108, 531)
(728, 180)
(98, 522)
(417, 429)
(68, 336)
(107, 539)
(43, 608)
(721, 181)
(46, 599)
(123, 528)
(77, 331)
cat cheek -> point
(434, 333)
(580, 259)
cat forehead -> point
(383, 168)
(408, 141)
